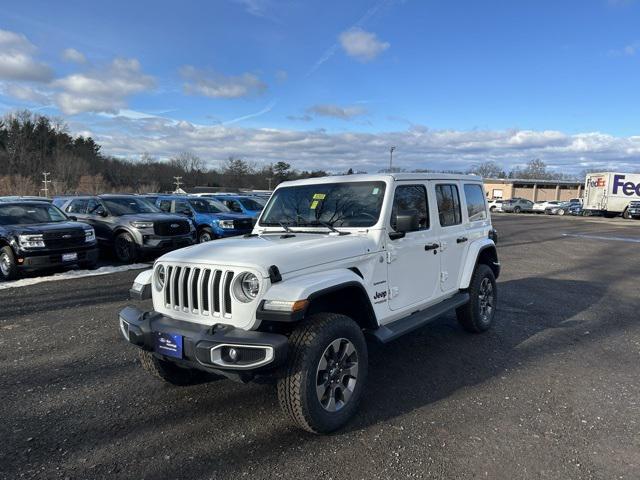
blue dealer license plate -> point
(169, 344)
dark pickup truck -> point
(37, 235)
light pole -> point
(391, 158)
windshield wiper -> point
(331, 227)
(285, 227)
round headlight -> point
(247, 287)
(159, 277)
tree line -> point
(31, 144)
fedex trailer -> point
(610, 193)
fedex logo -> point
(628, 188)
(596, 182)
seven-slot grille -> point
(172, 227)
(200, 291)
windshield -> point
(250, 204)
(25, 214)
(208, 205)
(128, 206)
(353, 204)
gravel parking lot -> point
(552, 392)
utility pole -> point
(391, 159)
(177, 182)
(269, 180)
(46, 182)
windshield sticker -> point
(376, 190)
(319, 196)
(313, 205)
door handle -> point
(462, 239)
(431, 246)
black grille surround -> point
(170, 228)
(64, 238)
(242, 224)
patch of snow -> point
(71, 274)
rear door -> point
(453, 237)
(413, 264)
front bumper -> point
(51, 259)
(157, 243)
(205, 347)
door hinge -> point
(443, 246)
(391, 256)
(444, 276)
(393, 292)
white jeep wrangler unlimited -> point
(330, 262)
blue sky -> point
(332, 84)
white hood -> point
(288, 254)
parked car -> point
(634, 209)
(542, 205)
(495, 205)
(517, 205)
(212, 218)
(130, 225)
(332, 260)
(575, 208)
(241, 204)
(561, 208)
(36, 235)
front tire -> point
(8, 265)
(477, 315)
(205, 235)
(517, 210)
(125, 248)
(626, 215)
(170, 372)
(561, 212)
(325, 375)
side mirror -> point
(73, 218)
(187, 212)
(404, 223)
(103, 213)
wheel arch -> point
(332, 300)
(483, 253)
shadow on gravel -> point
(409, 374)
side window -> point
(475, 202)
(92, 206)
(182, 207)
(448, 205)
(165, 205)
(77, 206)
(233, 206)
(410, 201)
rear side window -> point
(78, 206)
(474, 194)
(448, 205)
(411, 200)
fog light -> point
(233, 355)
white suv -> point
(331, 261)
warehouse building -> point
(534, 190)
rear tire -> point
(625, 214)
(517, 210)
(477, 315)
(125, 248)
(8, 265)
(325, 374)
(170, 372)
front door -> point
(413, 263)
(453, 236)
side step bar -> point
(387, 333)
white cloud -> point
(217, 85)
(16, 59)
(73, 55)
(257, 8)
(336, 111)
(27, 93)
(104, 89)
(282, 76)
(417, 147)
(362, 45)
